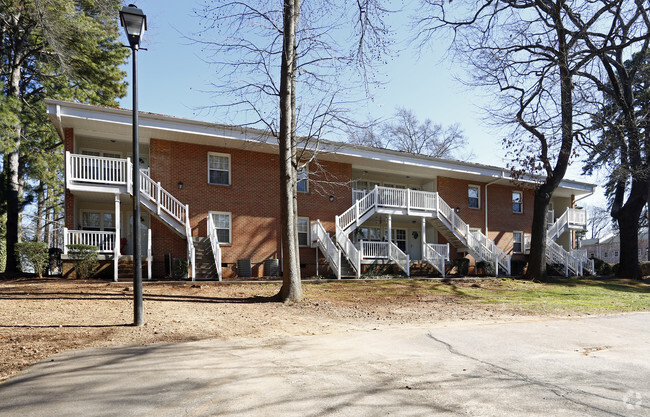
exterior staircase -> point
(385, 200)
(205, 265)
(575, 261)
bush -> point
(517, 266)
(181, 267)
(486, 268)
(602, 268)
(32, 256)
(462, 266)
(645, 268)
(615, 268)
(84, 258)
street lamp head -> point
(134, 22)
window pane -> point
(302, 186)
(219, 162)
(472, 192)
(516, 202)
(303, 225)
(91, 220)
(223, 235)
(219, 177)
(108, 221)
(302, 239)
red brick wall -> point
(501, 220)
(252, 199)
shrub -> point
(32, 256)
(645, 268)
(615, 268)
(181, 267)
(462, 265)
(84, 258)
(486, 268)
(517, 266)
(602, 267)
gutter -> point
(58, 124)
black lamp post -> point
(135, 23)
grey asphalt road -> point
(583, 367)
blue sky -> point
(173, 78)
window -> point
(399, 238)
(616, 253)
(303, 231)
(218, 168)
(97, 220)
(399, 186)
(303, 180)
(517, 242)
(223, 225)
(473, 193)
(517, 202)
(605, 254)
(368, 234)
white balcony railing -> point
(327, 246)
(104, 241)
(98, 169)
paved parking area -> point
(596, 366)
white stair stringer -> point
(436, 255)
(321, 239)
(571, 219)
(556, 254)
(170, 210)
(424, 204)
(349, 250)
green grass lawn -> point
(556, 295)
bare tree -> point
(263, 54)
(539, 57)
(404, 132)
(598, 221)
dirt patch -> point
(41, 317)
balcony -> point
(98, 173)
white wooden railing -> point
(162, 199)
(402, 260)
(436, 255)
(373, 250)
(587, 264)
(98, 169)
(214, 243)
(104, 241)
(327, 246)
(351, 252)
(415, 202)
(556, 254)
(570, 219)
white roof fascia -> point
(61, 109)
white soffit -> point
(114, 123)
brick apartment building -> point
(210, 195)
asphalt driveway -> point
(583, 367)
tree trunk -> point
(291, 286)
(628, 223)
(537, 259)
(40, 213)
(12, 188)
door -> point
(415, 244)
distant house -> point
(608, 247)
(209, 194)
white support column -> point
(68, 170)
(390, 229)
(116, 250)
(408, 201)
(423, 233)
(129, 176)
(65, 240)
(316, 260)
(149, 255)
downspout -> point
(486, 201)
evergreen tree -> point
(58, 49)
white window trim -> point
(478, 197)
(227, 155)
(308, 233)
(521, 242)
(229, 229)
(101, 152)
(521, 202)
(306, 179)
